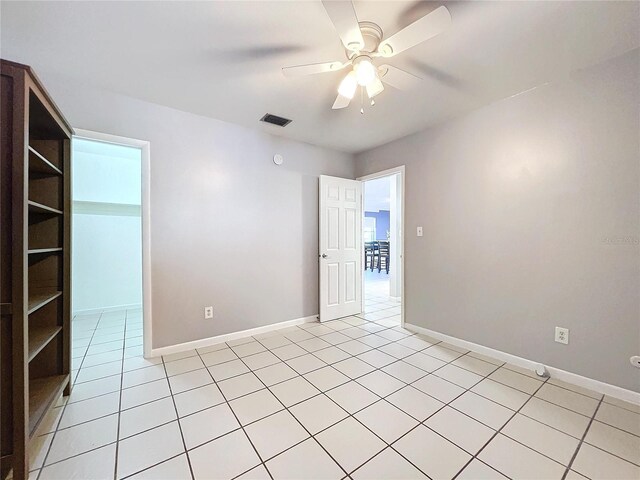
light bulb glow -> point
(348, 86)
(365, 72)
(374, 88)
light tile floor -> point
(358, 398)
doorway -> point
(383, 246)
(110, 245)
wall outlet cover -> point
(562, 335)
(208, 312)
(419, 231)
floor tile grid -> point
(184, 443)
(584, 435)
(338, 346)
(352, 415)
(329, 426)
(427, 373)
(374, 367)
(63, 402)
(424, 350)
(582, 439)
(73, 376)
(546, 424)
(320, 393)
(530, 395)
(497, 432)
(115, 468)
(65, 405)
(287, 408)
(264, 460)
(96, 341)
(166, 376)
(447, 404)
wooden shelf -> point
(39, 300)
(36, 258)
(39, 337)
(6, 308)
(42, 393)
(37, 251)
(39, 164)
(35, 207)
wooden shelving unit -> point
(43, 394)
(38, 208)
(40, 251)
(39, 337)
(39, 300)
(35, 247)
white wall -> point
(107, 242)
(228, 227)
(531, 220)
(107, 261)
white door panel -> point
(340, 243)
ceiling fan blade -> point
(419, 31)
(341, 102)
(313, 68)
(398, 78)
(343, 15)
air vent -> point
(275, 120)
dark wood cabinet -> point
(35, 261)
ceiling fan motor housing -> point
(372, 35)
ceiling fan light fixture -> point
(348, 85)
(374, 88)
(365, 72)
(385, 50)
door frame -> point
(399, 170)
(145, 169)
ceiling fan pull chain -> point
(361, 100)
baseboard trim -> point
(557, 373)
(107, 309)
(207, 342)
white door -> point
(340, 253)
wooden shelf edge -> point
(36, 207)
(43, 392)
(40, 300)
(39, 337)
(50, 167)
(36, 251)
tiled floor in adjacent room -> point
(358, 398)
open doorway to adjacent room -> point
(110, 176)
(382, 237)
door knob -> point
(324, 255)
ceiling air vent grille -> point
(275, 120)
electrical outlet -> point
(208, 312)
(562, 335)
(419, 231)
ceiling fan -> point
(364, 45)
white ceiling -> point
(223, 59)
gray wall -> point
(228, 227)
(530, 209)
